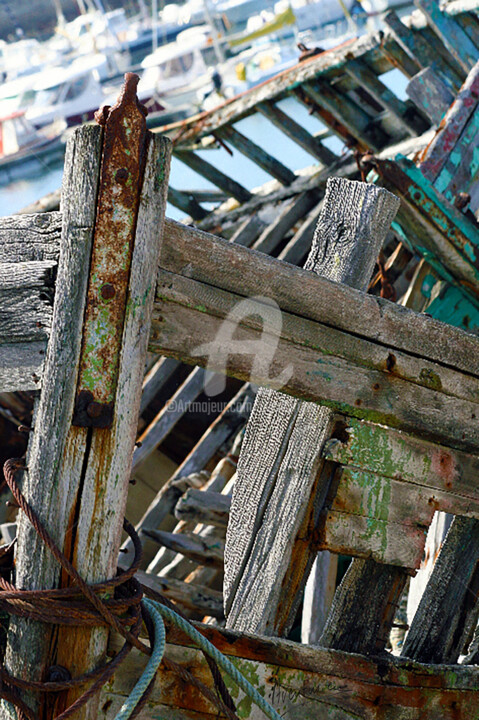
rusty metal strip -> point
(125, 144)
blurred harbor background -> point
(60, 60)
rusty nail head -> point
(107, 291)
(94, 409)
(121, 174)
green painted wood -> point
(460, 172)
(429, 93)
(259, 156)
(211, 173)
(457, 42)
(421, 52)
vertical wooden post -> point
(77, 477)
(281, 478)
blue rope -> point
(152, 666)
(222, 661)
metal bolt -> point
(462, 200)
(94, 409)
(121, 174)
(58, 673)
(107, 291)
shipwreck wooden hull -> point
(302, 683)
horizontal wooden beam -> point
(299, 681)
(210, 260)
(366, 357)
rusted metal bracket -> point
(125, 143)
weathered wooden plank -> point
(349, 115)
(78, 475)
(187, 203)
(459, 174)
(28, 647)
(408, 459)
(364, 628)
(300, 682)
(26, 299)
(30, 237)
(318, 596)
(204, 506)
(450, 230)
(272, 235)
(203, 550)
(211, 173)
(387, 543)
(296, 132)
(335, 370)
(429, 93)
(156, 378)
(248, 231)
(421, 52)
(226, 424)
(436, 154)
(282, 84)
(168, 416)
(384, 96)
(207, 259)
(457, 42)
(259, 156)
(398, 57)
(448, 611)
(193, 597)
(261, 501)
(21, 365)
(297, 248)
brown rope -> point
(80, 605)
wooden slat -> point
(211, 173)
(204, 506)
(203, 550)
(411, 460)
(453, 36)
(210, 260)
(248, 231)
(259, 500)
(436, 154)
(385, 97)
(448, 611)
(297, 133)
(26, 300)
(388, 543)
(348, 376)
(297, 248)
(259, 156)
(430, 94)
(187, 203)
(272, 235)
(346, 113)
(299, 681)
(24, 238)
(156, 378)
(421, 52)
(168, 416)
(21, 365)
(226, 424)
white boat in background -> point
(175, 72)
(72, 93)
(24, 149)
